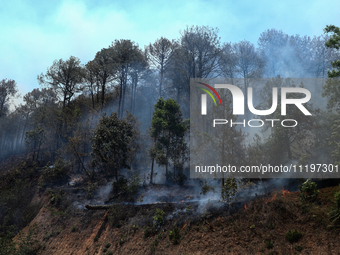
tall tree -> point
(65, 77)
(8, 89)
(168, 132)
(249, 64)
(103, 67)
(111, 143)
(196, 57)
(334, 42)
(160, 54)
(126, 54)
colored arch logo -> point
(209, 93)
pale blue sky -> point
(35, 33)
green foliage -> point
(229, 190)
(299, 248)
(27, 244)
(175, 236)
(159, 217)
(293, 236)
(111, 143)
(118, 213)
(91, 188)
(73, 228)
(53, 173)
(122, 240)
(134, 184)
(33, 140)
(334, 42)
(269, 244)
(154, 245)
(279, 147)
(206, 188)
(335, 212)
(107, 245)
(147, 231)
(55, 197)
(309, 191)
(128, 188)
(168, 132)
(95, 239)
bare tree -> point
(8, 90)
(159, 55)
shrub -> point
(147, 232)
(55, 197)
(298, 248)
(309, 191)
(335, 212)
(158, 218)
(229, 190)
(269, 244)
(118, 213)
(206, 188)
(52, 173)
(174, 236)
(107, 245)
(293, 236)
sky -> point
(34, 33)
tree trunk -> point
(151, 174)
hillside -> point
(258, 227)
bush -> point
(269, 244)
(158, 218)
(206, 188)
(298, 248)
(174, 236)
(335, 212)
(147, 232)
(52, 173)
(55, 197)
(229, 190)
(293, 236)
(127, 188)
(309, 192)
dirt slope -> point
(259, 228)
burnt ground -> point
(256, 227)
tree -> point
(228, 61)
(168, 132)
(8, 89)
(196, 57)
(334, 42)
(249, 64)
(111, 143)
(102, 70)
(34, 139)
(126, 54)
(65, 77)
(332, 91)
(285, 144)
(272, 44)
(160, 54)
